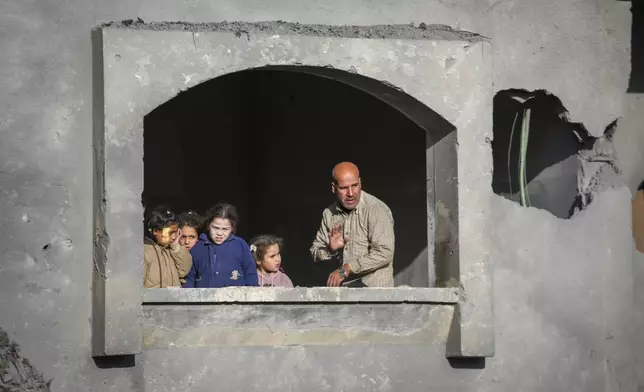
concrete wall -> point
(628, 142)
(563, 292)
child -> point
(189, 224)
(220, 258)
(165, 261)
(266, 250)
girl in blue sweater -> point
(221, 259)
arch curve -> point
(436, 126)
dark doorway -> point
(266, 141)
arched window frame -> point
(447, 86)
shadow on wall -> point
(266, 141)
(541, 155)
(636, 82)
(115, 361)
(16, 372)
(467, 363)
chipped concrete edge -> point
(246, 29)
(116, 305)
(99, 248)
(282, 295)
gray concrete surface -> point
(145, 68)
(273, 326)
(303, 294)
(398, 31)
(638, 343)
(561, 288)
(629, 139)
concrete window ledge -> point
(281, 295)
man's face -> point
(347, 190)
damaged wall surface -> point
(563, 295)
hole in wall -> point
(266, 140)
(536, 164)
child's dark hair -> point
(158, 218)
(190, 219)
(260, 244)
(222, 211)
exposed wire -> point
(516, 115)
(525, 131)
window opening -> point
(266, 141)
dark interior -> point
(553, 143)
(266, 141)
(636, 82)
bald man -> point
(357, 233)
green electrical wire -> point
(514, 123)
(525, 131)
(525, 167)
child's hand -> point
(177, 238)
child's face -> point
(167, 235)
(272, 259)
(189, 237)
(220, 230)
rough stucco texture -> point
(146, 68)
(562, 298)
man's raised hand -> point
(336, 238)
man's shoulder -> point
(372, 202)
(332, 209)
